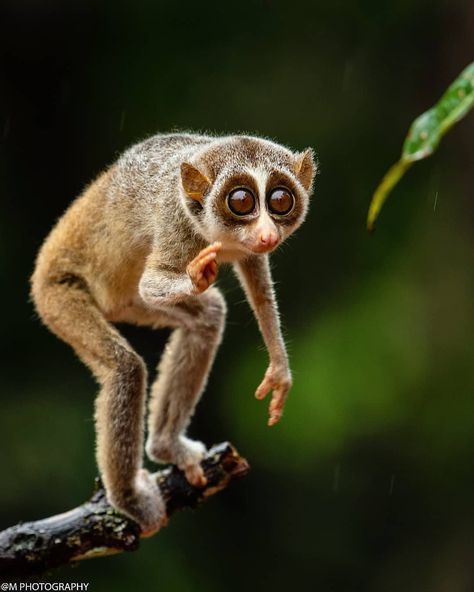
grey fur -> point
(142, 245)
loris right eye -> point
(241, 202)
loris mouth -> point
(253, 248)
(246, 248)
(261, 248)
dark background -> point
(368, 482)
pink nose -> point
(268, 239)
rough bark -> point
(95, 529)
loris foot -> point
(185, 453)
(144, 504)
(203, 268)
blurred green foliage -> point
(366, 485)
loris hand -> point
(277, 379)
(203, 269)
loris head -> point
(248, 193)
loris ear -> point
(305, 168)
(195, 183)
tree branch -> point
(95, 529)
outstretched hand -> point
(277, 379)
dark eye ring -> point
(241, 201)
(280, 201)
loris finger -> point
(210, 249)
(204, 261)
(275, 416)
(264, 388)
(209, 274)
(197, 268)
(276, 408)
(274, 419)
(213, 266)
(211, 271)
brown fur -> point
(132, 248)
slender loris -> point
(142, 245)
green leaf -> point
(425, 134)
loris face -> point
(250, 194)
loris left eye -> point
(280, 201)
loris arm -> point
(255, 276)
(162, 285)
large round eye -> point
(241, 202)
(280, 201)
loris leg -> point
(70, 312)
(182, 375)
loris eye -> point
(241, 202)
(280, 201)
